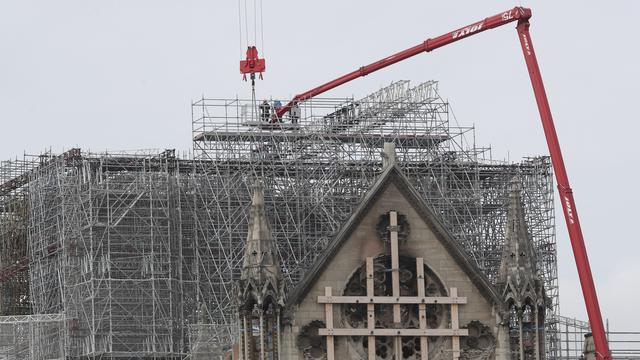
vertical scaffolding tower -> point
(14, 176)
(104, 251)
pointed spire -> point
(260, 289)
(388, 154)
(518, 265)
(522, 290)
(260, 258)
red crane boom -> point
(522, 16)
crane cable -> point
(240, 28)
(244, 20)
(254, 109)
(255, 23)
(262, 31)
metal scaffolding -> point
(105, 251)
(318, 166)
(32, 337)
(13, 247)
(624, 345)
(139, 252)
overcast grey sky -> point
(121, 75)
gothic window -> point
(526, 328)
(261, 332)
(528, 333)
(355, 315)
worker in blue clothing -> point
(276, 106)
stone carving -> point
(383, 228)
(480, 344)
(310, 343)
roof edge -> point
(393, 174)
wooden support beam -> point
(396, 332)
(395, 279)
(371, 311)
(393, 332)
(328, 308)
(422, 310)
(455, 324)
(392, 300)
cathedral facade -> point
(392, 284)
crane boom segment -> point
(428, 45)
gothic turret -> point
(518, 268)
(260, 264)
(260, 296)
(518, 280)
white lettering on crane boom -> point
(467, 30)
(567, 204)
(526, 44)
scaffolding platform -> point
(414, 140)
(266, 125)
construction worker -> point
(276, 106)
(294, 113)
(265, 111)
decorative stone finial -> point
(518, 259)
(388, 154)
(260, 259)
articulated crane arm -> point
(522, 16)
(515, 14)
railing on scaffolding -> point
(624, 345)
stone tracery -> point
(437, 315)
